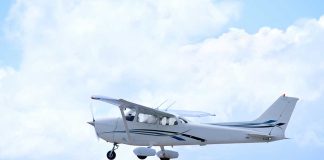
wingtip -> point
(95, 97)
(91, 123)
(99, 97)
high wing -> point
(121, 103)
(184, 113)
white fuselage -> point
(144, 126)
(145, 134)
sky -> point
(232, 58)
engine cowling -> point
(144, 151)
(167, 154)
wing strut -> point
(125, 123)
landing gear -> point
(141, 157)
(167, 154)
(112, 154)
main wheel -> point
(141, 157)
(164, 158)
(111, 155)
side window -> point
(173, 121)
(168, 121)
(182, 120)
(164, 121)
(146, 118)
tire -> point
(141, 157)
(111, 155)
(164, 158)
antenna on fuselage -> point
(161, 104)
(170, 105)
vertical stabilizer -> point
(275, 119)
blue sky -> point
(10, 51)
(232, 58)
(276, 14)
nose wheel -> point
(112, 154)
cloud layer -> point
(146, 52)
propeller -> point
(93, 122)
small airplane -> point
(147, 127)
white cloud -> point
(144, 51)
(71, 50)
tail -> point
(275, 119)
